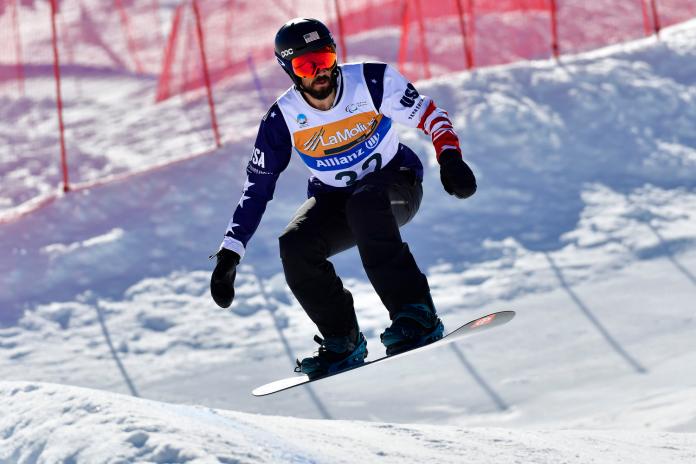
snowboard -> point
(470, 328)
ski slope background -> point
(584, 223)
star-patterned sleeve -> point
(270, 157)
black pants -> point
(369, 217)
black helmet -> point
(297, 37)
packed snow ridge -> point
(51, 423)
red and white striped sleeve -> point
(402, 102)
(436, 123)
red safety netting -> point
(588, 25)
(670, 12)
(235, 34)
(115, 34)
(423, 38)
(77, 88)
(11, 66)
(461, 34)
(238, 35)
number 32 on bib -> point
(371, 164)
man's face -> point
(319, 86)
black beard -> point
(322, 94)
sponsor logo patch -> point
(373, 141)
(341, 144)
(340, 160)
(287, 52)
(341, 138)
(302, 119)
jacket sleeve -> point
(398, 99)
(269, 158)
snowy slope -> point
(584, 224)
(124, 429)
(112, 126)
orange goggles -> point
(308, 64)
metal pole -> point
(646, 18)
(341, 33)
(471, 32)
(464, 33)
(656, 17)
(422, 42)
(206, 75)
(403, 45)
(554, 30)
(19, 56)
(130, 43)
(59, 97)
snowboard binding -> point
(335, 354)
(414, 326)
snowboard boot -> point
(415, 325)
(335, 354)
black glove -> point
(222, 280)
(456, 176)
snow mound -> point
(48, 423)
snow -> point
(584, 224)
(137, 430)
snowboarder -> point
(364, 186)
